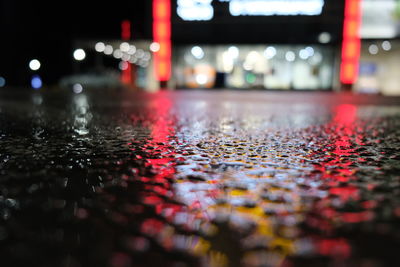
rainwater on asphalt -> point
(117, 178)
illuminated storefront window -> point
(254, 67)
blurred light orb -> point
(386, 45)
(316, 59)
(269, 52)
(36, 82)
(303, 54)
(132, 50)
(77, 88)
(324, 37)
(99, 47)
(2, 81)
(124, 47)
(133, 60)
(79, 54)
(233, 51)
(201, 79)
(108, 50)
(139, 53)
(247, 66)
(146, 56)
(117, 53)
(373, 49)
(144, 64)
(290, 56)
(197, 52)
(125, 57)
(123, 65)
(310, 51)
(34, 64)
(253, 56)
(37, 99)
(154, 47)
(227, 61)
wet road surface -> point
(199, 179)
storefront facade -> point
(380, 50)
(230, 44)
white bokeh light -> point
(303, 54)
(373, 49)
(34, 64)
(324, 37)
(124, 47)
(99, 47)
(197, 52)
(386, 45)
(290, 56)
(310, 51)
(201, 79)
(108, 50)
(154, 47)
(233, 52)
(77, 88)
(117, 53)
(79, 54)
(270, 52)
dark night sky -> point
(46, 30)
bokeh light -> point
(79, 54)
(34, 64)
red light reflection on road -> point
(160, 161)
(334, 248)
(337, 172)
(342, 131)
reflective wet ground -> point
(179, 179)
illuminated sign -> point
(195, 9)
(162, 39)
(203, 10)
(351, 42)
(379, 19)
(275, 7)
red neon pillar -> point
(162, 36)
(351, 45)
(126, 76)
(126, 30)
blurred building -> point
(256, 44)
(113, 63)
(268, 44)
(380, 50)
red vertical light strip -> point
(126, 75)
(162, 36)
(126, 30)
(351, 45)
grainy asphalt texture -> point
(118, 178)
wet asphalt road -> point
(117, 178)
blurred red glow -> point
(126, 76)
(351, 42)
(334, 247)
(345, 115)
(161, 155)
(126, 30)
(162, 36)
